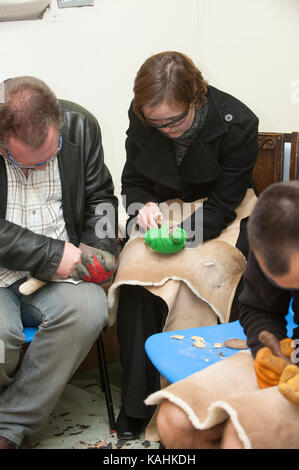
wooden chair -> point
(269, 167)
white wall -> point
(248, 48)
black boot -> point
(128, 427)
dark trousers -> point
(140, 315)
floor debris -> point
(80, 419)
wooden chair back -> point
(269, 167)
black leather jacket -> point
(87, 191)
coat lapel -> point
(156, 161)
(215, 125)
(69, 163)
(3, 190)
(199, 164)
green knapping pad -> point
(159, 239)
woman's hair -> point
(29, 107)
(273, 227)
(169, 76)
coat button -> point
(228, 117)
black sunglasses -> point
(171, 123)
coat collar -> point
(215, 125)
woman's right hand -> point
(150, 216)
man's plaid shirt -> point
(34, 202)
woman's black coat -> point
(218, 164)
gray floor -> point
(80, 419)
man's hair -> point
(28, 109)
(170, 76)
(273, 227)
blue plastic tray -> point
(177, 359)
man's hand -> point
(70, 258)
(271, 360)
(95, 268)
(149, 216)
(273, 367)
(268, 368)
(289, 384)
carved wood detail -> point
(266, 142)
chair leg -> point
(105, 382)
